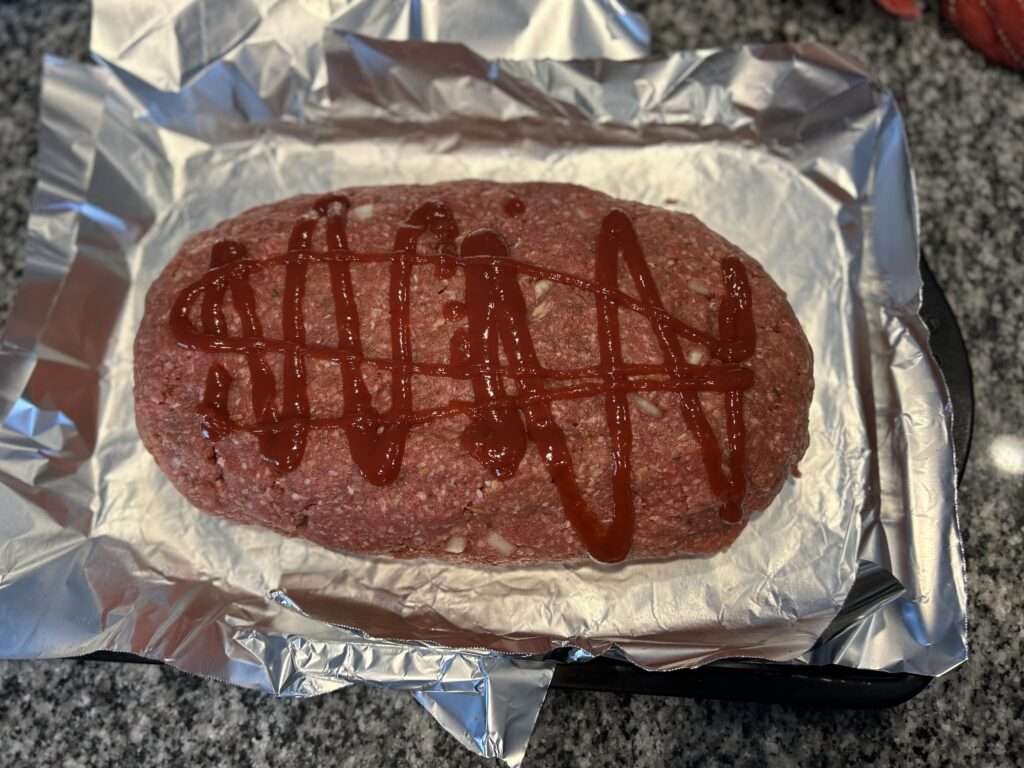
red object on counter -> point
(908, 9)
(994, 27)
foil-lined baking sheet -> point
(790, 151)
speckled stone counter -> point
(969, 161)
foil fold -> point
(166, 45)
(790, 151)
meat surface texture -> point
(444, 502)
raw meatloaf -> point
(199, 417)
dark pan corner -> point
(762, 682)
(947, 343)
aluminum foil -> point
(790, 151)
(278, 43)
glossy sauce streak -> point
(500, 425)
(513, 206)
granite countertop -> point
(966, 126)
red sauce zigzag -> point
(501, 425)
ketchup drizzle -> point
(513, 206)
(500, 425)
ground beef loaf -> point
(443, 502)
